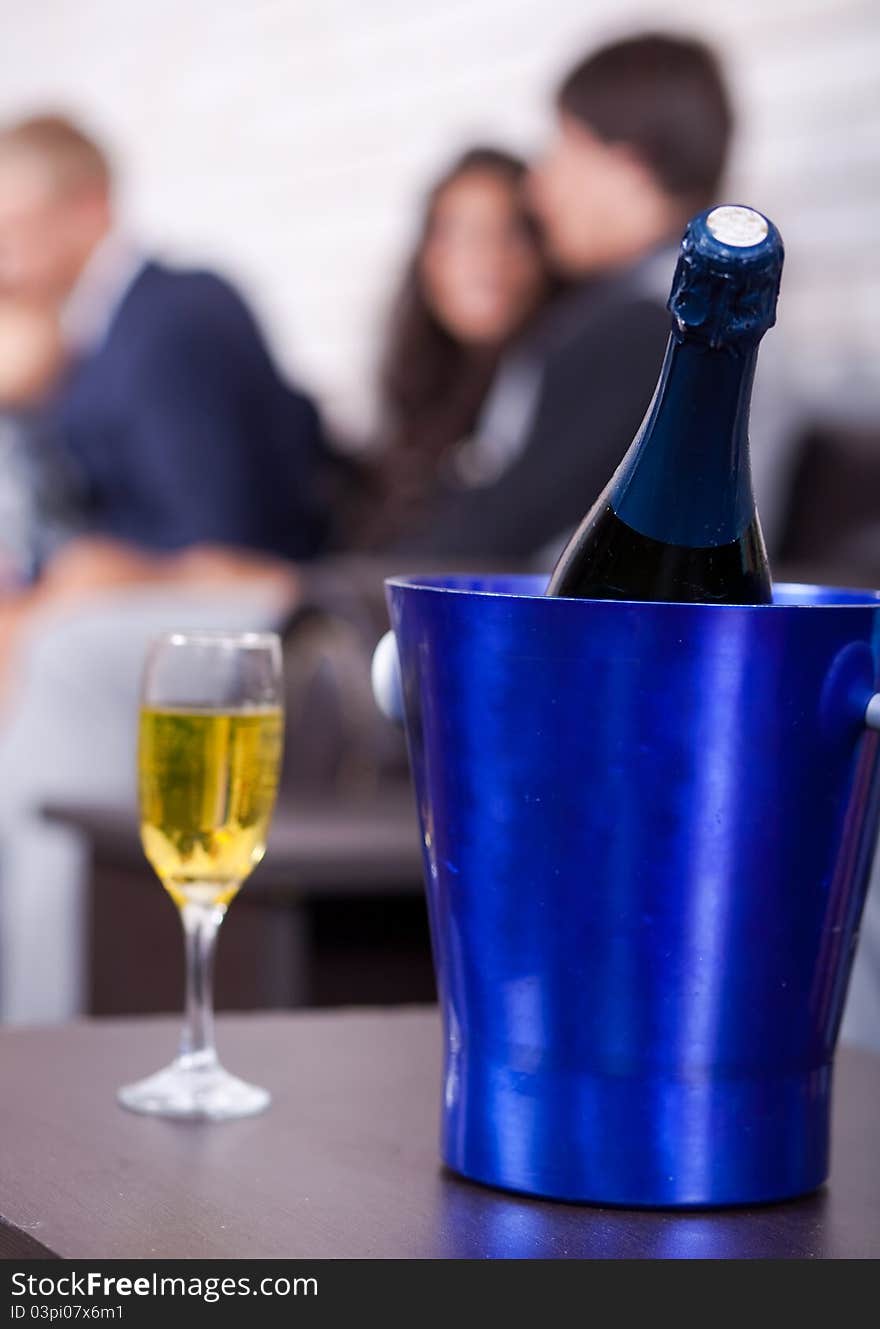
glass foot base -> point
(194, 1093)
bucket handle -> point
(386, 681)
(388, 689)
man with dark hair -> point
(663, 99)
(641, 141)
(172, 409)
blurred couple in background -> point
(161, 471)
(532, 323)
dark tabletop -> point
(318, 846)
(345, 1161)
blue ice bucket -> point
(647, 834)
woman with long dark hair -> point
(477, 277)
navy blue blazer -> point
(183, 431)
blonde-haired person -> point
(171, 406)
(198, 470)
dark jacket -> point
(182, 429)
(595, 361)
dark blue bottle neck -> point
(686, 480)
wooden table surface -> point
(345, 1162)
(368, 845)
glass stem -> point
(201, 923)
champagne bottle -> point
(677, 520)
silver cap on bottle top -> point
(727, 278)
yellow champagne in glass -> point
(208, 780)
(211, 734)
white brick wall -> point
(286, 141)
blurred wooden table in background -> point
(334, 915)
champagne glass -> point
(209, 756)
